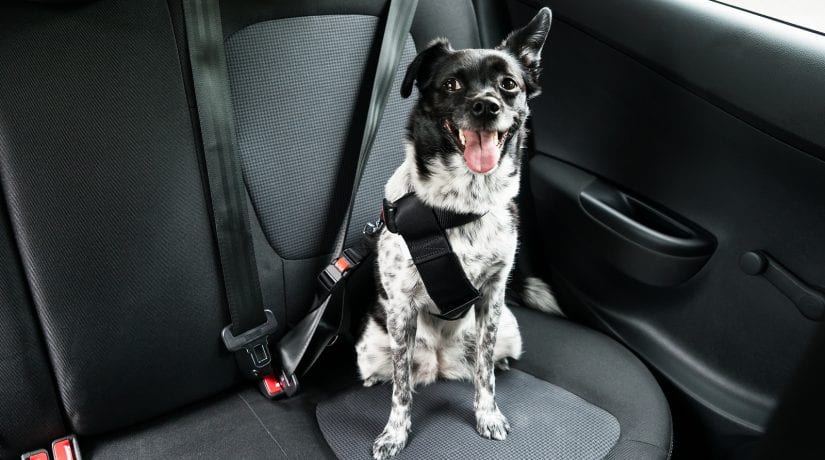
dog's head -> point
(473, 102)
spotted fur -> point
(402, 342)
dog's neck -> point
(449, 184)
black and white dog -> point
(463, 154)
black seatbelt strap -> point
(252, 325)
(423, 229)
(303, 344)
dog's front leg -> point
(490, 422)
(401, 324)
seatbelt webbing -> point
(298, 348)
(399, 21)
(251, 324)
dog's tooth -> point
(461, 137)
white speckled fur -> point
(440, 346)
(433, 347)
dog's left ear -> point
(526, 44)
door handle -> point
(642, 223)
(637, 238)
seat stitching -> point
(262, 424)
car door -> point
(676, 196)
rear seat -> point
(110, 299)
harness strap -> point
(423, 229)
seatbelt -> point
(423, 229)
(303, 344)
(248, 334)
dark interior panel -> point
(760, 70)
(726, 339)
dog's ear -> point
(526, 44)
(420, 69)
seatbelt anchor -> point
(256, 359)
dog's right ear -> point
(420, 69)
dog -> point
(463, 153)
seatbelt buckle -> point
(388, 211)
(251, 348)
(277, 387)
(41, 454)
(66, 449)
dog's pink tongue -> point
(481, 150)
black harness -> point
(423, 229)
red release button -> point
(342, 264)
(39, 455)
(272, 385)
(62, 449)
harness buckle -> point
(372, 228)
(257, 359)
(338, 268)
(388, 211)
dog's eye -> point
(451, 85)
(508, 84)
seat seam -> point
(262, 424)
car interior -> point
(673, 196)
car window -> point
(808, 14)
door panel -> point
(659, 161)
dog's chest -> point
(485, 246)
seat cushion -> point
(603, 372)
(574, 394)
(240, 423)
(605, 397)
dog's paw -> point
(371, 380)
(492, 424)
(389, 443)
(503, 364)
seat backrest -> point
(104, 191)
(105, 194)
(296, 70)
(28, 400)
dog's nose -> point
(486, 106)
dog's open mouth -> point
(482, 149)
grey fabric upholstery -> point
(547, 422)
(293, 110)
